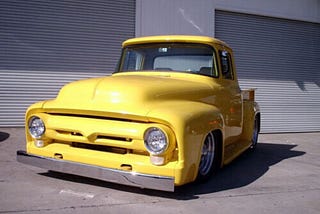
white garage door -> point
(45, 44)
(281, 58)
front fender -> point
(191, 122)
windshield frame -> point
(214, 62)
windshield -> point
(178, 57)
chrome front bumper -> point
(111, 175)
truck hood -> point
(126, 94)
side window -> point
(132, 61)
(226, 65)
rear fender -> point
(251, 110)
(257, 114)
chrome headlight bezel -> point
(36, 127)
(156, 141)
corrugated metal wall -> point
(18, 90)
(281, 58)
(45, 44)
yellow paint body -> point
(114, 112)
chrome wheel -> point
(207, 155)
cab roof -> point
(174, 38)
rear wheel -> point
(255, 134)
(209, 161)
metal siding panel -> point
(280, 58)
(68, 36)
(19, 89)
(46, 44)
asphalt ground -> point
(281, 176)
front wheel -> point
(209, 162)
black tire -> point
(255, 134)
(210, 158)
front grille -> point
(98, 137)
(104, 137)
(100, 148)
(100, 133)
(97, 117)
(73, 133)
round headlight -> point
(155, 140)
(36, 127)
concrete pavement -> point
(281, 176)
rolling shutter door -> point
(281, 58)
(46, 44)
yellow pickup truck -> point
(171, 114)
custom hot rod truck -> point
(171, 114)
